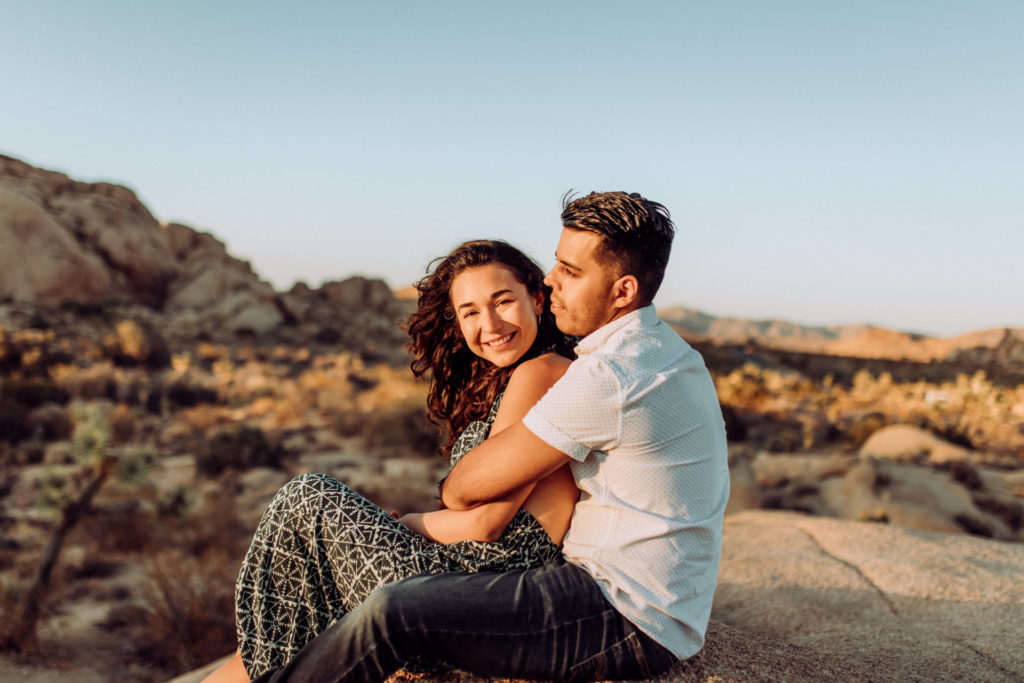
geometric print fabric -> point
(321, 548)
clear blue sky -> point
(826, 162)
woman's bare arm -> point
(528, 383)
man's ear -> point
(625, 291)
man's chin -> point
(566, 326)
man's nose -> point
(549, 279)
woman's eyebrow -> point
(494, 296)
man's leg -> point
(551, 622)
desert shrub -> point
(31, 452)
(132, 344)
(787, 439)
(949, 428)
(50, 422)
(187, 395)
(401, 426)
(32, 393)
(187, 616)
(864, 427)
(123, 424)
(241, 448)
(130, 531)
(177, 502)
(13, 422)
(327, 336)
(153, 400)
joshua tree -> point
(73, 499)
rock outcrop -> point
(902, 475)
(811, 599)
(64, 242)
(70, 241)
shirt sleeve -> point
(581, 412)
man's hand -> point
(504, 463)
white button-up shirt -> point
(638, 414)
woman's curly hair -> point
(463, 385)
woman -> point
(485, 336)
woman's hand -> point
(413, 520)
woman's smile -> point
(500, 342)
(496, 314)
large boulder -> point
(73, 241)
(906, 443)
(223, 291)
(811, 599)
(895, 603)
(41, 261)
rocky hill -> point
(87, 247)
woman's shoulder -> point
(547, 368)
(529, 381)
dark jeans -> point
(550, 622)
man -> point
(637, 418)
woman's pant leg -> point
(318, 552)
(551, 623)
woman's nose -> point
(491, 320)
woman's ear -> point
(538, 303)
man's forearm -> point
(500, 466)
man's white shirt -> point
(638, 414)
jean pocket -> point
(624, 659)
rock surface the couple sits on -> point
(811, 599)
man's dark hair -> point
(636, 234)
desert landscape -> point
(155, 392)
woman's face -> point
(496, 313)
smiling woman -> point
(497, 315)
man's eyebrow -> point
(493, 297)
(566, 263)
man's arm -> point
(483, 523)
(508, 461)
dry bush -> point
(187, 616)
(239, 448)
(131, 531)
(98, 380)
(403, 426)
(863, 427)
(185, 613)
(123, 424)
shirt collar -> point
(645, 316)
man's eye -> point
(467, 314)
(503, 302)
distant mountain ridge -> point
(696, 322)
(1001, 345)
